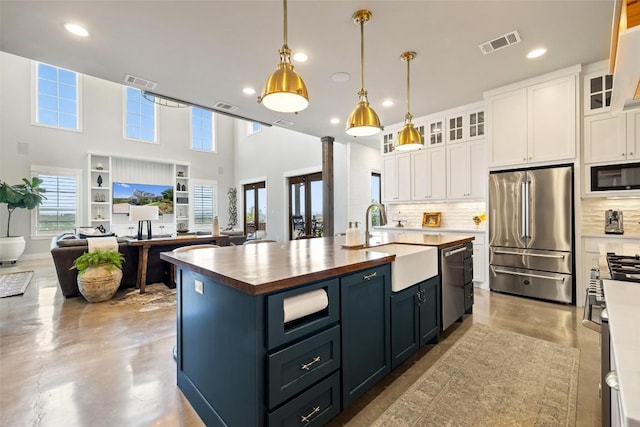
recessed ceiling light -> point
(300, 57)
(535, 53)
(77, 30)
(387, 103)
(340, 76)
(249, 90)
(335, 121)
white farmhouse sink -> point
(413, 263)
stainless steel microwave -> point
(615, 177)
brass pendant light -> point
(285, 90)
(408, 138)
(363, 121)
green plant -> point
(110, 258)
(27, 195)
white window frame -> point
(214, 131)
(50, 170)
(207, 183)
(156, 136)
(34, 98)
(251, 131)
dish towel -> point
(102, 243)
(305, 304)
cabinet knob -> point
(622, 154)
(631, 153)
(530, 158)
(524, 159)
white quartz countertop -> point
(432, 230)
(623, 302)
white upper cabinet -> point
(456, 125)
(434, 133)
(533, 124)
(466, 170)
(396, 178)
(465, 125)
(428, 174)
(598, 87)
(475, 124)
(388, 140)
(633, 134)
(605, 138)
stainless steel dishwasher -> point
(452, 263)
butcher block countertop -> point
(267, 267)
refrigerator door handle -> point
(527, 254)
(538, 276)
(523, 209)
(528, 209)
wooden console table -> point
(170, 242)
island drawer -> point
(298, 366)
(315, 407)
(468, 270)
(279, 332)
(468, 296)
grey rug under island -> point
(493, 378)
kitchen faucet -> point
(383, 220)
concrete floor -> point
(66, 362)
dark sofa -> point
(65, 248)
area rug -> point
(493, 378)
(156, 296)
(12, 284)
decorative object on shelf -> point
(408, 138)
(99, 274)
(233, 210)
(99, 213)
(178, 187)
(99, 166)
(184, 187)
(180, 174)
(284, 90)
(180, 213)
(182, 227)
(144, 214)
(431, 219)
(479, 218)
(101, 229)
(99, 198)
(363, 120)
(27, 195)
(216, 226)
(99, 180)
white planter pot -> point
(11, 248)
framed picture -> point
(431, 219)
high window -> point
(255, 210)
(204, 204)
(60, 210)
(253, 127)
(305, 206)
(140, 116)
(57, 97)
(202, 130)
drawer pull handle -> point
(306, 366)
(370, 276)
(307, 418)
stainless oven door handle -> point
(539, 276)
(588, 309)
(455, 251)
(526, 254)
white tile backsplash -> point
(455, 215)
(593, 214)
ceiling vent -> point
(282, 122)
(500, 42)
(225, 106)
(139, 82)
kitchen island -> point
(245, 356)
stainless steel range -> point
(619, 267)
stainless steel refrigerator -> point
(531, 233)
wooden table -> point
(145, 245)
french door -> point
(305, 206)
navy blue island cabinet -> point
(240, 364)
(415, 319)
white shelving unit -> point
(99, 196)
(182, 199)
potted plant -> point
(99, 274)
(27, 195)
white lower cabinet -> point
(428, 174)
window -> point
(60, 211)
(202, 130)
(305, 206)
(204, 204)
(376, 196)
(253, 127)
(57, 97)
(140, 116)
(255, 210)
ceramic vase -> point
(98, 283)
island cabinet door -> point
(429, 296)
(365, 322)
(405, 326)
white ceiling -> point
(204, 52)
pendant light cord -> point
(284, 42)
(408, 91)
(362, 55)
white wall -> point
(276, 153)
(23, 145)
